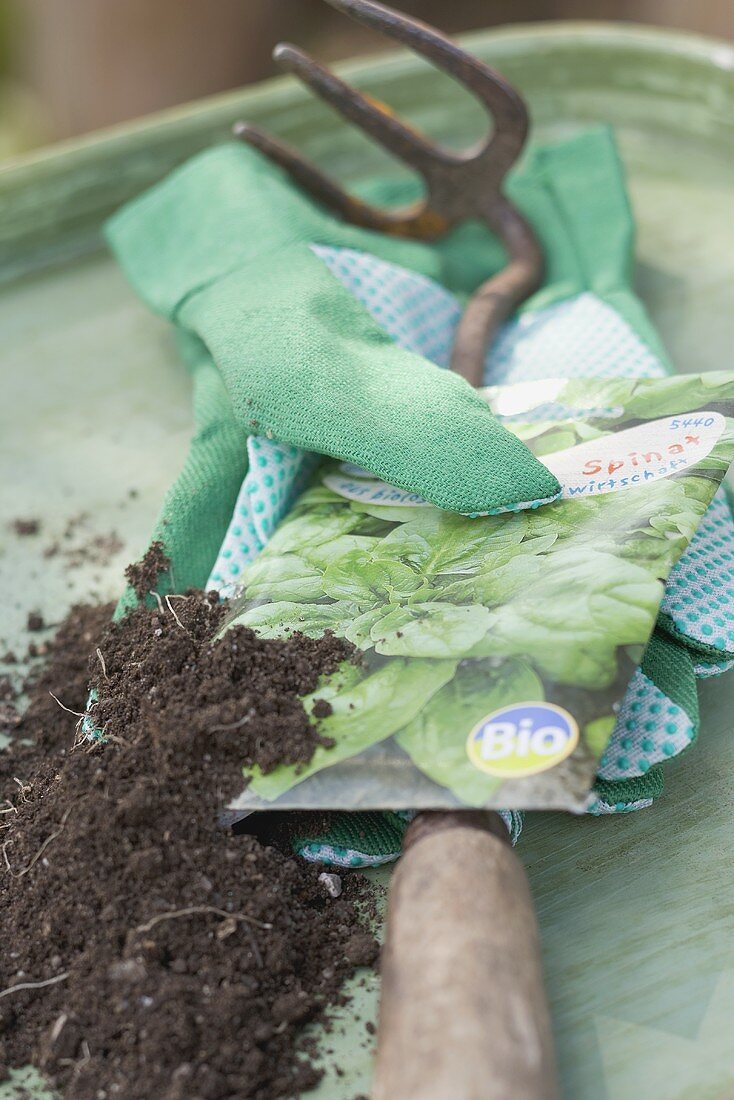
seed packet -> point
(492, 651)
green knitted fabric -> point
(199, 504)
(624, 793)
(349, 839)
(670, 668)
(203, 223)
(222, 247)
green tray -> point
(636, 912)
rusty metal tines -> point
(458, 186)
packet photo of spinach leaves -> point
(494, 650)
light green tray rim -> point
(79, 183)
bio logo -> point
(522, 739)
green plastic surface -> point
(636, 913)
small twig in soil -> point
(234, 725)
(80, 737)
(193, 910)
(23, 788)
(41, 850)
(158, 600)
(79, 714)
(255, 948)
(81, 1063)
(11, 808)
(170, 608)
(102, 662)
(33, 985)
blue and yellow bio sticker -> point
(522, 739)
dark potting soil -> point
(35, 621)
(44, 727)
(142, 576)
(148, 951)
(24, 527)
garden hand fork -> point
(463, 1012)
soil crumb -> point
(149, 952)
(25, 527)
(35, 621)
(142, 576)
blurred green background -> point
(71, 66)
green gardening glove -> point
(222, 248)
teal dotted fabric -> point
(276, 475)
(600, 806)
(572, 339)
(316, 851)
(705, 669)
(699, 596)
(650, 729)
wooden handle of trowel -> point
(463, 1014)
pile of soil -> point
(143, 575)
(148, 951)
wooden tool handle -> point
(463, 1014)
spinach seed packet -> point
(494, 650)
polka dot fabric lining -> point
(650, 729)
(599, 806)
(699, 595)
(276, 475)
(564, 340)
(705, 669)
(573, 339)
